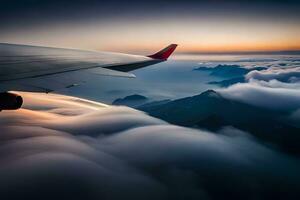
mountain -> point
(131, 101)
(233, 73)
(228, 82)
(211, 111)
(154, 103)
(191, 110)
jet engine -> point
(10, 101)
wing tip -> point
(165, 53)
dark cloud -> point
(295, 118)
(44, 157)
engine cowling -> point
(10, 101)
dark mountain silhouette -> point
(228, 82)
(211, 111)
(233, 73)
(154, 103)
(131, 101)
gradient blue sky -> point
(142, 26)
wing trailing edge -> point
(158, 57)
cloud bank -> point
(276, 87)
(289, 75)
(261, 94)
(63, 147)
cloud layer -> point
(276, 87)
(265, 94)
(63, 147)
(289, 75)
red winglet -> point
(165, 53)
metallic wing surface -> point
(46, 69)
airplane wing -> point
(46, 69)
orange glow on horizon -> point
(143, 37)
(209, 48)
(241, 48)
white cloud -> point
(59, 146)
(284, 99)
(289, 75)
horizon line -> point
(244, 52)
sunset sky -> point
(144, 26)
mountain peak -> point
(131, 100)
(211, 93)
(135, 97)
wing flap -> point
(107, 72)
(46, 84)
(60, 81)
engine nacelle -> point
(10, 101)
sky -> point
(145, 26)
